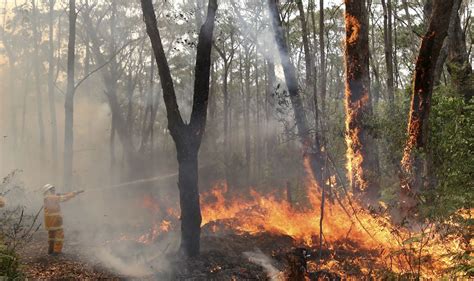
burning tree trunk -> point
(311, 151)
(187, 137)
(421, 99)
(362, 166)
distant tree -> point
(187, 137)
(311, 150)
(37, 38)
(458, 65)
(69, 100)
(388, 46)
(51, 99)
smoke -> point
(135, 259)
(94, 220)
(259, 258)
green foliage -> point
(16, 229)
(9, 264)
(451, 146)
(389, 129)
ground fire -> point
(236, 140)
(369, 239)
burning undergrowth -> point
(356, 242)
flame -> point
(354, 153)
(345, 222)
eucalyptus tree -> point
(187, 137)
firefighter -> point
(53, 221)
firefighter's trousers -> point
(55, 241)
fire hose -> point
(135, 182)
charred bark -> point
(432, 42)
(361, 158)
(187, 137)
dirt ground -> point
(223, 257)
(37, 264)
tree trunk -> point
(187, 137)
(110, 79)
(361, 163)
(322, 54)
(52, 106)
(310, 150)
(388, 48)
(69, 100)
(459, 66)
(421, 100)
(248, 151)
(227, 59)
(270, 104)
(36, 70)
(258, 146)
(147, 126)
(410, 27)
(189, 198)
(307, 54)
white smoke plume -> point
(259, 258)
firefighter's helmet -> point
(47, 187)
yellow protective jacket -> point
(52, 210)
(2, 202)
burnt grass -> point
(221, 258)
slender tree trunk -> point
(307, 54)
(52, 106)
(148, 123)
(322, 55)
(412, 166)
(36, 70)
(258, 137)
(69, 101)
(311, 151)
(270, 103)
(227, 59)
(410, 27)
(459, 66)
(387, 31)
(361, 163)
(248, 155)
(110, 79)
